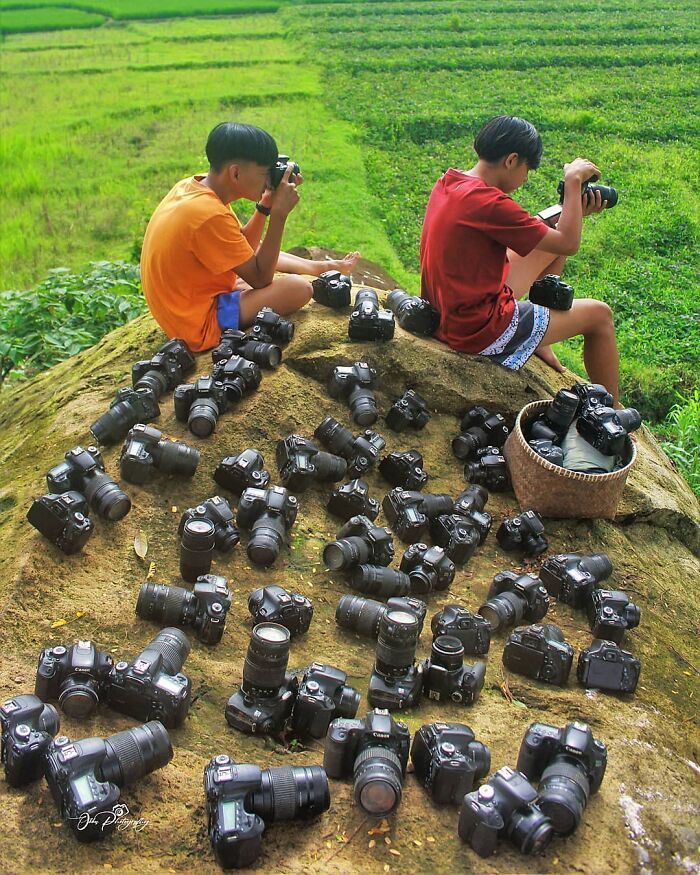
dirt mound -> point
(642, 819)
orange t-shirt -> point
(191, 247)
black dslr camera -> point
(471, 504)
(380, 581)
(203, 529)
(409, 512)
(300, 463)
(152, 686)
(238, 473)
(570, 577)
(359, 542)
(353, 499)
(84, 471)
(456, 535)
(268, 514)
(204, 609)
(606, 429)
(200, 404)
(471, 629)
(367, 321)
(129, 407)
(396, 681)
(165, 370)
(414, 314)
(549, 451)
(363, 615)
(449, 761)
(607, 192)
(374, 749)
(479, 429)
(592, 395)
(239, 375)
(146, 450)
(404, 470)
(63, 520)
(552, 292)
(553, 423)
(332, 289)
(605, 666)
(86, 776)
(323, 695)
(504, 806)
(273, 604)
(27, 726)
(77, 676)
(279, 168)
(445, 676)
(569, 765)
(408, 411)
(218, 511)
(428, 568)
(361, 452)
(490, 470)
(513, 598)
(242, 799)
(238, 343)
(611, 613)
(523, 533)
(540, 652)
(266, 697)
(272, 326)
(354, 384)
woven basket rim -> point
(517, 432)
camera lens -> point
(338, 439)
(165, 604)
(178, 458)
(598, 565)
(291, 792)
(266, 661)
(360, 615)
(530, 830)
(329, 467)
(448, 652)
(154, 380)
(397, 641)
(78, 696)
(203, 416)
(346, 553)
(114, 424)
(506, 609)
(378, 781)
(377, 580)
(107, 499)
(562, 411)
(563, 794)
(363, 405)
(266, 355)
(196, 548)
(136, 752)
(173, 646)
(266, 539)
(464, 445)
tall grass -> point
(682, 429)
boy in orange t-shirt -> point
(201, 270)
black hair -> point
(505, 134)
(231, 141)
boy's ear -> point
(511, 161)
(233, 171)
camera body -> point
(361, 452)
(354, 383)
(84, 471)
(472, 630)
(240, 376)
(428, 568)
(152, 686)
(27, 726)
(165, 370)
(273, 604)
(359, 541)
(404, 470)
(504, 806)
(449, 761)
(479, 429)
(238, 473)
(470, 504)
(218, 511)
(332, 289)
(445, 676)
(490, 470)
(514, 597)
(606, 429)
(539, 651)
(591, 395)
(77, 676)
(414, 314)
(409, 512)
(548, 450)
(268, 514)
(279, 168)
(607, 192)
(408, 411)
(552, 292)
(523, 533)
(239, 343)
(205, 608)
(456, 535)
(571, 577)
(200, 404)
(557, 416)
(611, 614)
(146, 451)
(605, 666)
(63, 519)
(300, 462)
(129, 407)
(323, 696)
(353, 499)
(367, 321)
(270, 325)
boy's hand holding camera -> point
(576, 175)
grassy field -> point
(375, 100)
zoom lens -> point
(267, 658)
(154, 380)
(377, 580)
(328, 467)
(359, 615)
(346, 553)
(332, 434)
(378, 781)
(363, 405)
(448, 652)
(562, 411)
(136, 752)
(563, 795)
(163, 604)
(397, 641)
(506, 609)
(203, 416)
(266, 539)
(105, 497)
(173, 646)
(292, 792)
(530, 830)
(177, 458)
(465, 444)
(112, 425)
(196, 548)
(598, 565)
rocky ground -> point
(643, 820)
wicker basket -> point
(557, 492)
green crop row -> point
(47, 18)
(127, 9)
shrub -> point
(683, 445)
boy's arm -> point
(254, 227)
(565, 239)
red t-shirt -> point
(467, 228)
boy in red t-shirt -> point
(480, 252)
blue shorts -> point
(228, 309)
(521, 338)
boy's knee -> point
(604, 315)
(301, 290)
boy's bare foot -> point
(548, 357)
(344, 265)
